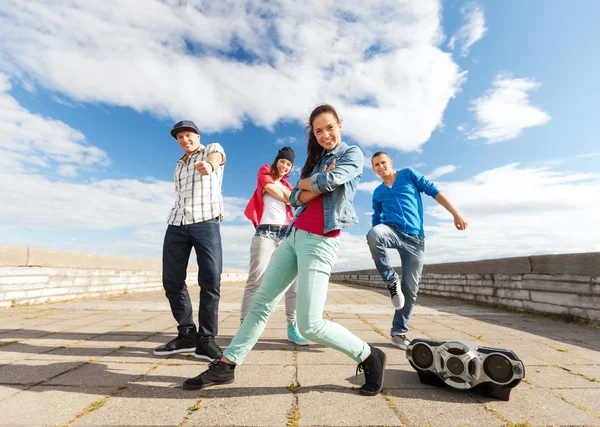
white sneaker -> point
(400, 341)
(397, 297)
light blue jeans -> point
(310, 257)
(411, 249)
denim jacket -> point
(337, 187)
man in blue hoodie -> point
(398, 224)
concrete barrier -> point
(567, 285)
(33, 276)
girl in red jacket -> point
(270, 213)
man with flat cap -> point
(194, 222)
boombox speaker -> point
(493, 372)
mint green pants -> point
(310, 257)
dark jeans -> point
(205, 237)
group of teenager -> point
(291, 254)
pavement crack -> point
(196, 406)
(375, 328)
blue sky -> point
(493, 101)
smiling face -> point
(382, 166)
(284, 167)
(188, 141)
(326, 129)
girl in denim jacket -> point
(270, 213)
(324, 196)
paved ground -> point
(90, 363)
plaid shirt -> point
(199, 197)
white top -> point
(274, 210)
(198, 196)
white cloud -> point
(504, 110)
(442, 170)
(369, 186)
(260, 62)
(472, 31)
(52, 141)
(286, 141)
(512, 211)
(588, 155)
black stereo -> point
(491, 371)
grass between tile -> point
(193, 409)
(375, 328)
(581, 408)
(390, 401)
(293, 414)
(496, 413)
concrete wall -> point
(32, 276)
(567, 285)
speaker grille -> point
(455, 365)
(498, 368)
(422, 356)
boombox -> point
(493, 372)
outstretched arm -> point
(459, 222)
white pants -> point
(261, 250)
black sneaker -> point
(207, 349)
(180, 344)
(373, 367)
(217, 373)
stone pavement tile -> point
(147, 326)
(139, 352)
(169, 376)
(555, 377)
(9, 390)
(354, 325)
(532, 353)
(95, 347)
(592, 371)
(404, 378)
(32, 347)
(258, 376)
(92, 328)
(318, 354)
(180, 359)
(101, 375)
(44, 405)
(20, 334)
(272, 356)
(33, 371)
(584, 345)
(539, 407)
(142, 405)
(329, 376)
(452, 335)
(243, 407)
(344, 407)
(587, 398)
(485, 332)
(442, 407)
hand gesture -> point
(460, 223)
(330, 168)
(204, 168)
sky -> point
(495, 102)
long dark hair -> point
(314, 150)
(274, 170)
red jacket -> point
(256, 206)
